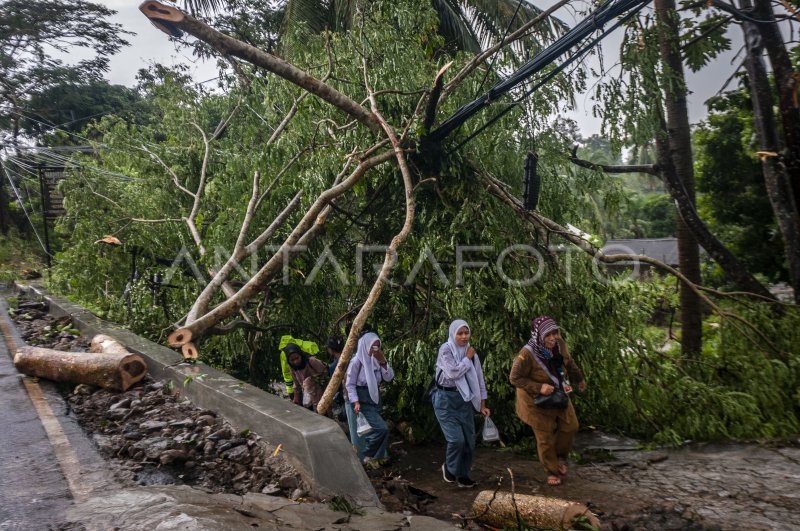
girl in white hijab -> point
(366, 371)
(460, 392)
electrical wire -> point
(25, 211)
(52, 156)
(494, 55)
(550, 75)
(609, 10)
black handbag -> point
(558, 399)
(427, 394)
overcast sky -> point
(150, 45)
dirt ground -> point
(731, 486)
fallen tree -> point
(108, 365)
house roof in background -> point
(664, 249)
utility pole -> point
(44, 201)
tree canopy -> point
(231, 182)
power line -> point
(609, 10)
(103, 146)
(51, 155)
(550, 75)
(22, 205)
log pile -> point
(502, 510)
(108, 364)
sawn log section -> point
(109, 365)
(502, 510)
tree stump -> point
(115, 369)
(499, 510)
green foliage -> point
(734, 198)
(704, 39)
(18, 255)
(71, 104)
(190, 378)
(629, 205)
(633, 387)
(343, 505)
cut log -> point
(107, 344)
(179, 337)
(189, 351)
(499, 510)
(116, 371)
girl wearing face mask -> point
(539, 367)
(460, 392)
(366, 371)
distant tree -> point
(730, 179)
(659, 210)
(31, 31)
(70, 106)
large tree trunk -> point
(502, 510)
(778, 177)
(680, 158)
(117, 371)
(787, 85)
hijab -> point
(369, 363)
(467, 385)
(540, 327)
(292, 348)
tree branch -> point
(266, 273)
(389, 260)
(169, 170)
(240, 253)
(688, 213)
(170, 19)
(590, 249)
(433, 99)
(652, 169)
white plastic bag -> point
(362, 426)
(489, 432)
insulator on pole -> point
(532, 182)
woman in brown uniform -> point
(538, 369)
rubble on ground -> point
(156, 437)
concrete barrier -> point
(315, 444)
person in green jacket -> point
(309, 347)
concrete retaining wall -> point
(317, 446)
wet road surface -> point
(46, 459)
(33, 490)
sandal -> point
(553, 481)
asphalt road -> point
(46, 460)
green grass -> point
(19, 255)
